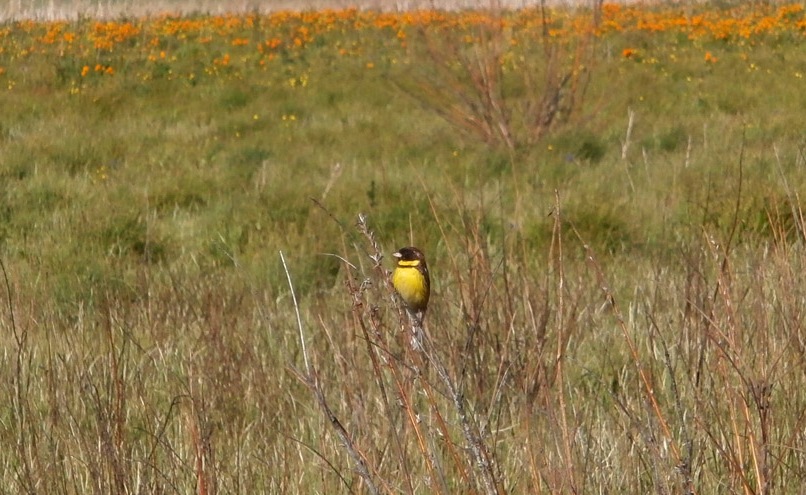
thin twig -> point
(562, 342)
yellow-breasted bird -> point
(411, 280)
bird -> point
(411, 281)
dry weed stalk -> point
(405, 394)
(745, 438)
(506, 96)
(742, 433)
(426, 355)
(309, 378)
(648, 385)
(19, 402)
(562, 340)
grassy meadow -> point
(609, 201)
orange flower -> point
(709, 58)
(629, 52)
(273, 43)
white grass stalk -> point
(299, 318)
(625, 145)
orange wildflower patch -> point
(105, 35)
(351, 32)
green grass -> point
(645, 338)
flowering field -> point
(609, 201)
(250, 41)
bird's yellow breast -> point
(411, 285)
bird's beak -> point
(397, 255)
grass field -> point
(608, 199)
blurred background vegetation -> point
(200, 143)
